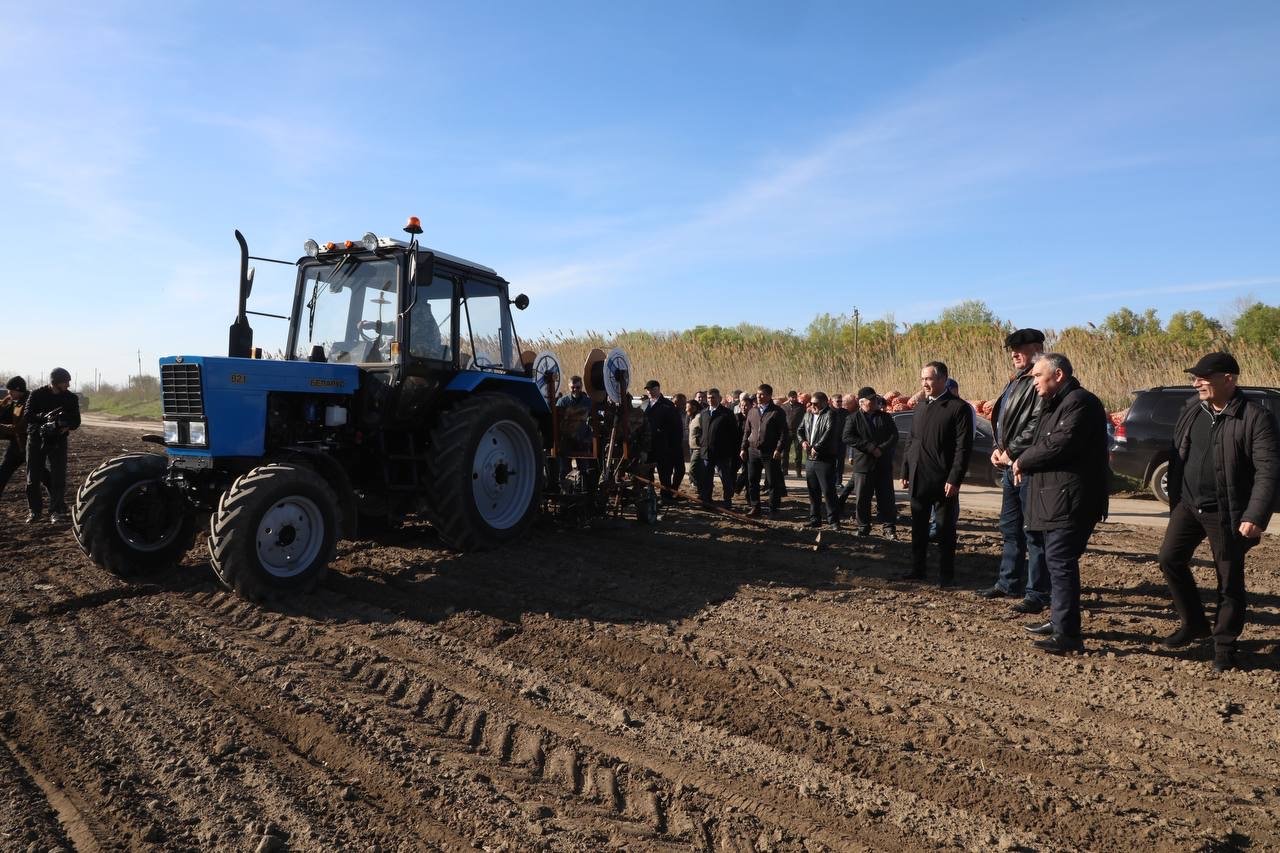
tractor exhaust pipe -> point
(240, 343)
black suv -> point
(1144, 442)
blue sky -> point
(642, 165)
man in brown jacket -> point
(764, 435)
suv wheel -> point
(1160, 482)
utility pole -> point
(856, 317)
(139, 367)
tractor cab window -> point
(349, 309)
(485, 339)
(431, 319)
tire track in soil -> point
(34, 811)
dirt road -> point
(701, 685)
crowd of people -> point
(35, 426)
(1051, 445)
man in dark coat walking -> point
(764, 435)
(873, 436)
(1069, 470)
(718, 447)
(933, 466)
(668, 438)
(1223, 479)
(52, 412)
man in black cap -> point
(667, 432)
(12, 428)
(1013, 420)
(873, 435)
(52, 412)
(1222, 486)
(795, 411)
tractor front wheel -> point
(274, 531)
(487, 467)
(128, 521)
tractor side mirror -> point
(521, 302)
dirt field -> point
(702, 685)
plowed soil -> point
(704, 684)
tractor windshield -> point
(349, 309)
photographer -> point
(12, 428)
(52, 412)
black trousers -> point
(879, 482)
(1062, 549)
(792, 450)
(820, 477)
(709, 469)
(757, 464)
(47, 469)
(14, 456)
(666, 476)
(1188, 528)
(946, 511)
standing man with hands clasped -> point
(820, 440)
(764, 435)
(1067, 495)
(933, 466)
(1222, 486)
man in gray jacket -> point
(1014, 420)
(820, 441)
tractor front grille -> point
(180, 394)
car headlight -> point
(170, 432)
(196, 434)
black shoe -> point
(754, 512)
(1058, 644)
(909, 576)
(1027, 606)
(1040, 630)
(835, 525)
(864, 531)
(814, 523)
(992, 592)
(1185, 635)
(1225, 660)
(33, 517)
(946, 583)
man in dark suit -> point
(821, 445)
(764, 435)
(668, 438)
(933, 466)
(718, 447)
(1069, 469)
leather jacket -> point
(818, 430)
(1014, 423)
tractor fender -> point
(335, 475)
(520, 388)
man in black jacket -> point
(1013, 420)
(873, 435)
(821, 445)
(795, 411)
(840, 416)
(764, 435)
(933, 466)
(667, 432)
(12, 428)
(718, 447)
(1222, 485)
(1069, 471)
(51, 413)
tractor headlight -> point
(170, 432)
(369, 241)
(196, 434)
(311, 247)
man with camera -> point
(52, 412)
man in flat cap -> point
(1222, 486)
(873, 436)
(1013, 420)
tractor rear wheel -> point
(274, 531)
(487, 468)
(128, 521)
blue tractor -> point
(401, 392)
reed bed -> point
(1111, 367)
